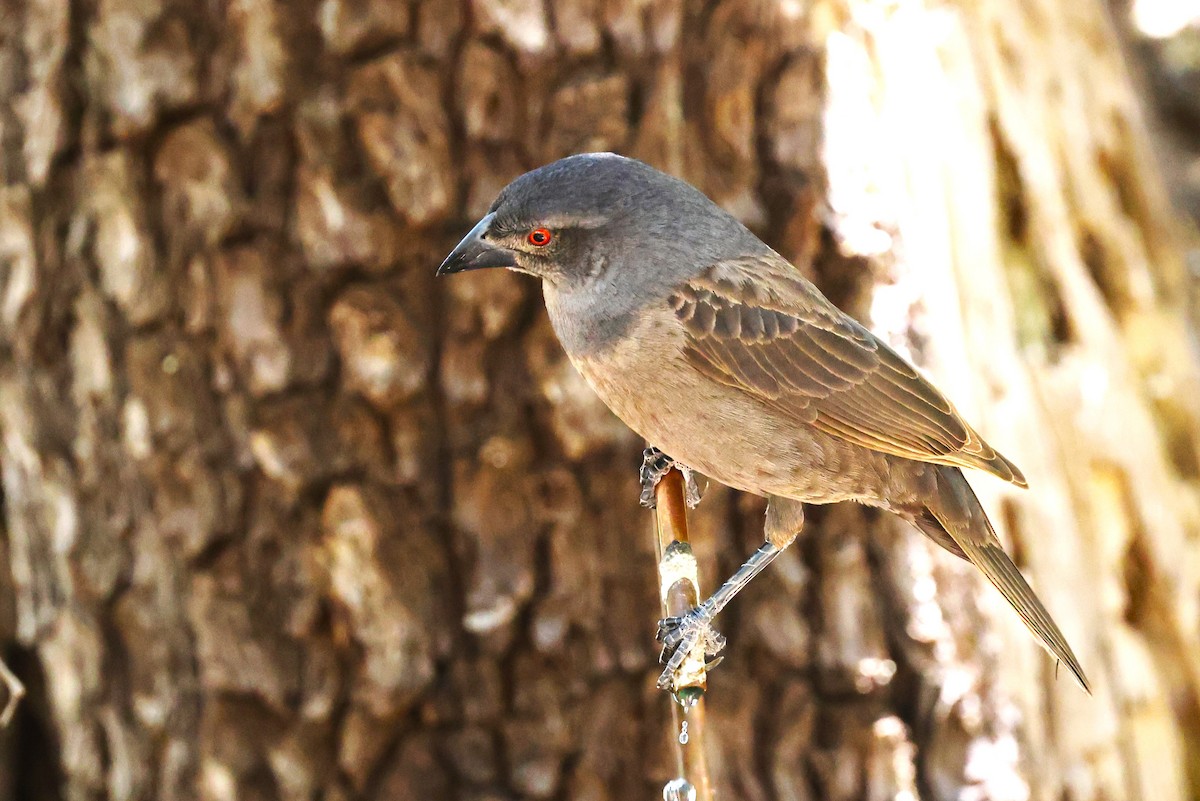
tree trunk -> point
(287, 519)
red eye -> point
(540, 237)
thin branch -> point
(679, 590)
(16, 691)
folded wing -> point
(757, 325)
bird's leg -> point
(655, 465)
(681, 635)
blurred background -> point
(284, 519)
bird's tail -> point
(956, 521)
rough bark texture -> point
(283, 518)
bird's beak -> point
(475, 253)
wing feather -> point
(757, 325)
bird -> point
(716, 350)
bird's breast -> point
(732, 437)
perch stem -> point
(679, 591)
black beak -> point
(475, 253)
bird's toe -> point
(683, 636)
(655, 465)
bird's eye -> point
(539, 237)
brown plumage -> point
(756, 325)
(718, 351)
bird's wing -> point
(757, 325)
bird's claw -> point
(681, 636)
(655, 465)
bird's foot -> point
(655, 465)
(683, 635)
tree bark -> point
(286, 519)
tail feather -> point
(958, 513)
(931, 528)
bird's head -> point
(586, 216)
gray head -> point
(602, 220)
